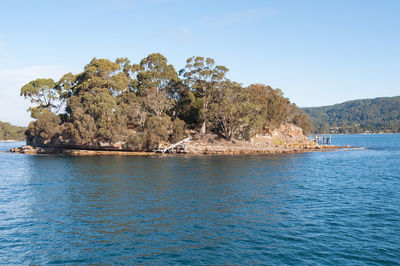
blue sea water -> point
(340, 207)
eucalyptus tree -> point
(301, 119)
(66, 86)
(232, 109)
(274, 107)
(142, 104)
(202, 76)
(156, 73)
(43, 93)
(95, 94)
(130, 71)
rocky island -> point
(123, 108)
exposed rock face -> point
(73, 152)
(290, 134)
(286, 138)
(36, 141)
(285, 134)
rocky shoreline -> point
(286, 139)
(212, 151)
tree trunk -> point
(203, 128)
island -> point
(150, 108)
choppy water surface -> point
(312, 208)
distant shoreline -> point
(10, 140)
(335, 134)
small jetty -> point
(322, 139)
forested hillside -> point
(358, 116)
(136, 106)
(10, 132)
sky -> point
(318, 52)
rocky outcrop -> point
(28, 149)
(285, 139)
(60, 143)
(72, 152)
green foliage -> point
(142, 105)
(156, 130)
(274, 108)
(301, 119)
(358, 116)
(278, 142)
(135, 141)
(202, 77)
(43, 93)
(231, 109)
(156, 102)
(155, 73)
(132, 110)
(10, 132)
(238, 112)
(178, 130)
(47, 125)
(82, 130)
(188, 108)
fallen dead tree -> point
(173, 146)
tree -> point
(95, 93)
(81, 131)
(302, 120)
(155, 73)
(130, 72)
(202, 77)
(103, 74)
(47, 126)
(178, 130)
(43, 93)
(232, 109)
(274, 108)
(132, 109)
(65, 86)
(141, 105)
(156, 103)
(188, 108)
(157, 129)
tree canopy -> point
(142, 105)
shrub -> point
(135, 141)
(157, 129)
(47, 125)
(178, 130)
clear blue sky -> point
(317, 52)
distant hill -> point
(358, 116)
(10, 132)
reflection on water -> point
(327, 207)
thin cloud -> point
(122, 4)
(13, 107)
(184, 34)
(6, 61)
(130, 4)
(241, 17)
